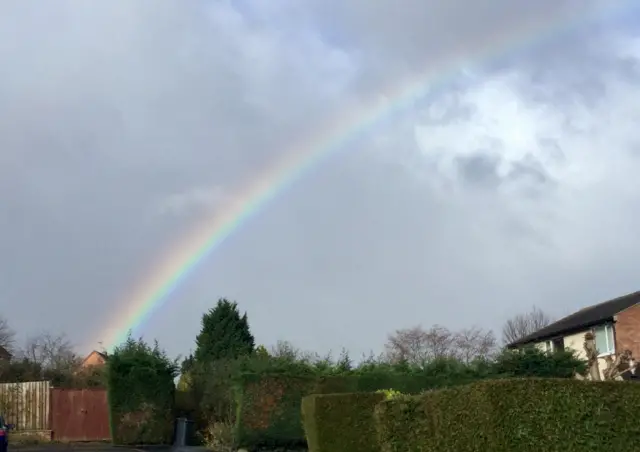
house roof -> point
(4, 353)
(96, 352)
(582, 319)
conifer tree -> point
(224, 334)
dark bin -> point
(185, 433)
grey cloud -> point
(110, 109)
(97, 126)
(431, 37)
(479, 169)
(530, 169)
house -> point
(615, 324)
(94, 359)
(5, 355)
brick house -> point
(615, 324)
(94, 359)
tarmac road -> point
(78, 447)
(97, 447)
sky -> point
(511, 183)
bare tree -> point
(50, 351)
(418, 346)
(617, 367)
(472, 343)
(7, 335)
(286, 350)
(524, 324)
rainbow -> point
(183, 257)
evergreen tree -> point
(141, 389)
(187, 364)
(224, 334)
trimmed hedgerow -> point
(140, 390)
(507, 415)
(341, 422)
(268, 409)
(268, 405)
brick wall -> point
(627, 330)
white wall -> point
(575, 342)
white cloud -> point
(586, 154)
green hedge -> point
(525, 415)
(141, 391)
(341, 422)
(268, 405)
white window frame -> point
(611, 348)
(548, 346)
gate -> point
(79, 415)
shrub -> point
(533, 362)
(185, 404)
(215, 391)
(389, 393)
(268, 409)
(218, 437)
(141, 394)
(213, 383)
(268, 405)
(507, 415)
(387, 381)
(341, 422)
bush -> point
(213, 387)
(389, 393)
(268, 409)
(185, 404)
(219, 386)
(341, 422)
(218, 437)
(268, 405)
(506, 415)
(141, 394)
(533, 362)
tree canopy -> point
(225, 334)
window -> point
(604, 340)
(553, 345)
(558, 344)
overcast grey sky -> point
(123, 123)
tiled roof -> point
(582, 319)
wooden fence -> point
(27, 405)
